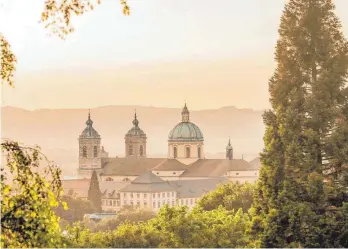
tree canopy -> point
(304, 153)
(27, 198)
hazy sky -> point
(211, 53)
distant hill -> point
(57, 131)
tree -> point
(94, 194)
(27, 198)
(303, 153)
(232, 195)
(133, 215)
(57, 18)
(76, 209)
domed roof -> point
(89, 131)
(135, 130)
(186, 131)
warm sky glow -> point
(212, 53)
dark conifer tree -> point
(305, 145)
(94, 194)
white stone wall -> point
(243, 176)
(151, 201)
(111, 204)
(189, 202)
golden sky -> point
(210, 53)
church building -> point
(185, 165)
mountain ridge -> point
(56, 131)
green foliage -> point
(28, 195)
(173, 227)
(230, 196)
(94, 194)
(75, 210)
(303, 171)
(132, 215)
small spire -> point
(229, 141)
(89, 121)
(242, 156)
(185, 114)
(135, 121)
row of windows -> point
(84, 151)
(130, 150)
(132, 195)
(187, 152)
(187, 202)
(114, 203)
(158, 204)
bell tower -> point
(89, 147)
(135, 141)
(229, 150)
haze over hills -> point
(56, 131)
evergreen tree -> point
(305, 146)
(94, 194)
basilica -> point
(181, 178)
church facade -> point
(180, 178)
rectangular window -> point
(153, 195)
(186, 202)
(145, 195)
(145, 204)
(159, 204)
(163, 195)
(173, 204)
(172, 194)
(138, 203)
(118, 203)
(114, 203)
(131, 195)
(159, 195)
(125, 195)
(237, 174)
(138, 195)
(154, 204)
(131, 203)
(191, 202)
(168, 194)
(110, 203)
(118, 195)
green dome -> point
(186, 131)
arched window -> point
(95, 151)
(109, 179)
(130, 150)
(175, 152)
(199, 152)
(188, 152)
(141, 150)
(84, 151)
